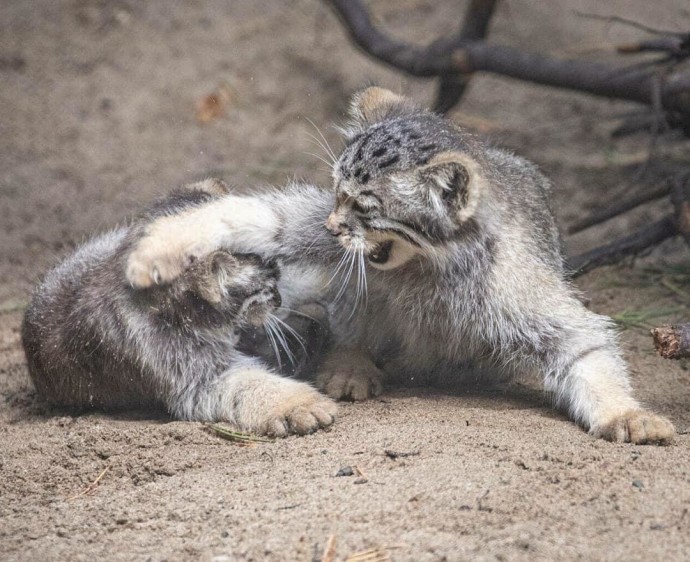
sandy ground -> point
(98, 115)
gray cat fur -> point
(463, 263)
(92, 341)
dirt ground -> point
(98, 114)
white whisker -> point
(327, 148)
(280, 336)
(292, 311)
(348, 276)
(329, 164)
(269, 333)
(292, 332)
(337, 268)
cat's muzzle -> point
(260, 304)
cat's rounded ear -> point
(456, 180)
(209, 276)
(212, 186)
(372, 105)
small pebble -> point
(638, 484)
(361, 481)
(345, 471)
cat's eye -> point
(358, 207)
(366, 202)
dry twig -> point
(672, 342)
(329, 551)
(91, 487)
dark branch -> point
(617, 250)
(611, 211)
(474, 27)
(627, 22)
(454, 55)
(680, 197)
(671, 45)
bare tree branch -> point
(455, 55)
(631, 245)
(680, 197)
(627, 22)
(611, 211)
(474, 27)
(671, 45)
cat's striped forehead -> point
(394, 145)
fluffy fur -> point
(191, 347)
(456, 251)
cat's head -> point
(224, 288)
(407, 183)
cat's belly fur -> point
(415, 339)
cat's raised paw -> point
(156, 261)
(637, 426)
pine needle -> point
(13, 305)
(237, 436)
(91, 487)
(640, 318)
(378, 554)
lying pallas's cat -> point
(92, 341)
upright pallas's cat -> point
(92, 341)
(463, 264)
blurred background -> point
(105, 104)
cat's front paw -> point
(156, 260)
(301, 412)
(636, 426)
(350, 375)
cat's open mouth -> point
(381, 252)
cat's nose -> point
(334, 226)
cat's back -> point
(523, 195)
(72, 299)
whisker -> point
(361, 295)
(328, 146)
(365, 285)
(280, 336)
(292, 332)
(346, 282)
(337, 269)
(269, 333)
(358, 286)
(316, 142)
(329, 164)
(292, 311)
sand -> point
(98, 114)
